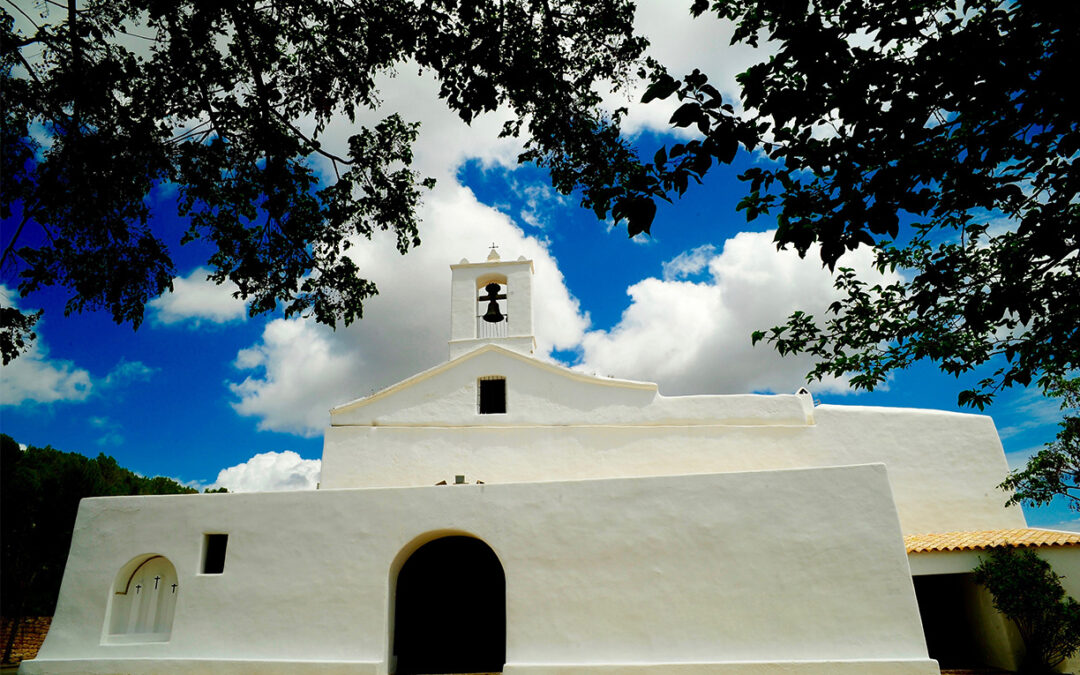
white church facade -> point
(499, 512)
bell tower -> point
(491, 302)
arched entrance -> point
(450, 609)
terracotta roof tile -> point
(984, 539)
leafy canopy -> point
(229, 102)
(942, 133)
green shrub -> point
(1028, 592)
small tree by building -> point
(1028, 591)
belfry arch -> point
(450, 609)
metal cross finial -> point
(174, 588)
(138, 587)
(493, 246)
(156, 580)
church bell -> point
(493, 315)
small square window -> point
(492, 395)
(214, 546)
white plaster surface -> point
(561, 425)
(892, 667)
(995, 635)
(123, 666)
(253, 667)
(1064, 560)
(543, 394)
(788, 571)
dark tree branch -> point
(14, 239)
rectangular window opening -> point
(214, 553)
(492, 394)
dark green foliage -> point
(1027, 590)
(40, 490)
(942, 133)
(612, 179)
(1054, 470)
(16, 332)
(229, 101)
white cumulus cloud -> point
(126, 372)
(689, 263)
(35, 378)
(300, 369)
(269, 471)
(541, 202)
(196, 299)
(694, 337)
(682, 44)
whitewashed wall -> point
(742, 572)
(560, 425)
(543, 394)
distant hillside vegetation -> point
(40, 489)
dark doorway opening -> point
(450, 609)
(945, 605)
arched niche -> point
(449, 608)
(142, 601)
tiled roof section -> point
(984, 539)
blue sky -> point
(202, 393)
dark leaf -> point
(686, 114)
